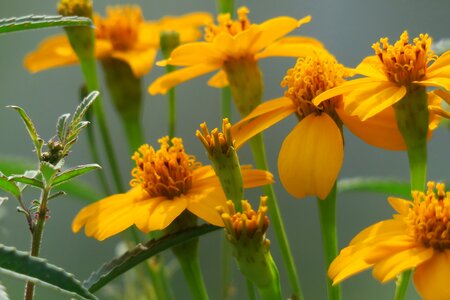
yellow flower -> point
(124, 35)
(234, 42)
(312, 154)
(391, 73)
(417, 237)
(166, 182)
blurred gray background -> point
(347, 28)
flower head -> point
(124, 35)
(234, 42)
(391, 73)
(165, 183)
(418, 237)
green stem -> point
(159, 278)
(259, 153)
(172, 112)
(226, 272)
(38, 231)
(187, 254)
(418, 167)
(225, 6)
(402, 285)
(250, 290)
(88, 67)
(133, 130)
(226, 103)
(327, 213)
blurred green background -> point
(347, 28)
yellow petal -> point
(387, 246)
(402, 261)
(140, 61)
(439, 65)
(164, 83)
(347, 263)
(400, 205)
(380, 130)
(254, 178)
(443, 94)
(194, 54)
(346, 87)
(432, 277)
(244, 41)
(292, 47)
(369, 102)
(52, 52)
(371, 66)
(379, 231)
(165, 212)
(261, 118)
(203, 203)
(273, 29)
(311, 157)
(142, 212)
(441, 82)
(219, 80)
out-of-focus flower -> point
(166, 183)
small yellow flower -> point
(234, 42)
(418, 237)
(391, 73)
(124, 35)
(166, 182)
(312, 154)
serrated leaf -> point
(373, 184)
(77, 188)
(82, 108)
(36, 269)
(30, 128)
(34, 22)
(3, 294)
(9, 186)
(140, 253)
(27, 180)
(73, 172)
(73, 133)
(61, 126)
(28, 173)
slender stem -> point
(402, 285)
(259, 153)
(133, 130)
(250, 290)
(327, 213)
(88, 67)
(226, 103)
(172, 113)
(225, 6)
(159, 278)
(226, 272)
(187, 254)
(37, 237)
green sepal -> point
(71, 173)
(34, 22)
(9, 186)
(140, 253)
(20, 264)
(37, 141)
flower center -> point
(75, 8)
(121, 26)
(310, 77)
(429, 217)
(404, 62)
(166, 172)
(228, 25)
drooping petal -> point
(346, 87)
(311, 157)
(440, 82)
(402, 261)
(261, 118)
(439, 66)
(432, 277)
(292, 47)
(275, 28)
(203, 203)
(400, 205)
(389, 246)
(194, 54)
(254, 178)
(244, 41)
(165, 212)
(219, 80)
(380, 130)
(348, 263)
(367, 103)
(371, 66)
(164, 83)
(140, 60)
(142, 212)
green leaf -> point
(82, 108)
(377, 185)
(27, 180)
(77, 188)
(9, 186)
(61, 126)
(28, 173)
(47, 170)
(3, 294)
(22, 265)
(73, 172)
(140, 253)
(3, 199)
(37, 141)
(34, 22)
